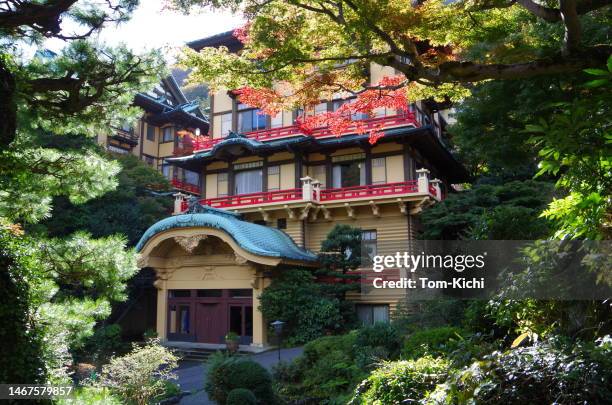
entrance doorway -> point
(207, 315)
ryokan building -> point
(269, 194)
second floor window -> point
(348, 171)
(368, 244)
(248, 181)
(150, 132)
(273, 178)
(226, 124)
(250, 119)
(167, 134)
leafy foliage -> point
(140, 375)
(227, 373)
(241, 396)
(297, 299)
(129, 210)
(509, 211)
(432, 342)
(396, 382)
(543, 373)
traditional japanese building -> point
(154, 137)
(268, 196)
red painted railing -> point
(254, 198)
(181, 185)
(190, 145)
(432, 190)
(373, 190)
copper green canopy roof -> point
(257, 239)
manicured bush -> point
(141, 375)
(380, 335)
(541, 374)
(396, 382)
(226, 373)
(241, 396)
(434, 341)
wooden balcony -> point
(267, 197)
(184, 186)
(190, 145)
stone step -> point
(197, 354)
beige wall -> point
(287, 176)
(211, 186)
(395, 169)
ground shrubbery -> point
(241, 396)
(395, 382)
(543, 373)
(227, 373)
(433, 341)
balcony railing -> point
(191, 145)
(373, 190)
(254, 198)
(182, 185)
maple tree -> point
(298, 52)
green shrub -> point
(140, 375)
(380, 335)
(541, 374)
(316, 349)
(91, 396)
(434, 341)
(105, 342)
(226, 373)
(396, 382)
(297, 299)
(241, 396)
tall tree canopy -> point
(297, 52)
(54, 290)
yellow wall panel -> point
(395, 169)
(287, 176)
(211, 186)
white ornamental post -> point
(179, 199)
(306, 188)
(423, 181)
(316, 187)
(436, 183)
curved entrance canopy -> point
(211, 267)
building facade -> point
(156, 135)
(272, 175)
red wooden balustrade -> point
(372, 190)
(254, 198)
(190, 145)
(181, 185)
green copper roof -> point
(257, 239)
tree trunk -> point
(8, 107)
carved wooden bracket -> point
(189, 243)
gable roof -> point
(256, 239)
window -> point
(371, 314)
(150, 132)
(348, 171)
(167, 134)
(368, 244)
(222, 186)
(180, 293)
(226, 124)
(281, 223)
(276, 121)
(379, 171)
(166, 170)
(248, 181)
(209, 293)
(357, 116)
(273, 178)
(250, 120)
(318, 173)
(149, 160)
(241, 293)
(191, 177)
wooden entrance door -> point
(208, 327)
